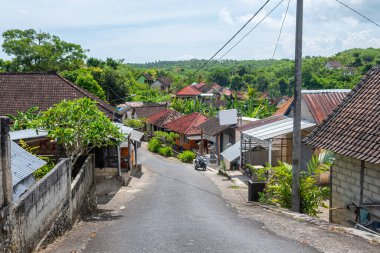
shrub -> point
(166, 151)
(166, 138)
(41, 172)
(279, 190)
(154, 145)
(187, 156)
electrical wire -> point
(357, 12)
(217, 52)
(282, 26)
(249, 32)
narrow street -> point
(181, 210)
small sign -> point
(228, 117)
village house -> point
(202, 87)
(157, 121)
(188, 128)
(145, 78)
(145, 111)
(351, 131)
(219, 137)
(270, 139)
(188, 92)
(162, 83)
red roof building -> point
(187, 125)
(188, 92)
(163, 117)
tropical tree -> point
(38, 51)
(78, 125)
(24, 120)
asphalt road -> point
(182, 211)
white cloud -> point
(225, 16)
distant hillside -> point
(276, 76)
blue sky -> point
(141, 31)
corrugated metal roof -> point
(322, 102)
(274, 129)
(26, 134)
(23, 163)
(232, 153)
(129, 131)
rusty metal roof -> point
(322, 102)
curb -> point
(372, 238)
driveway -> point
(181, 210)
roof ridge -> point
(198, 115)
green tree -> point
(34, 51)
(83, 78)
(78, 125)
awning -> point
(274, 129)
(232, 153)
(194, 137)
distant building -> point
(333, 65)
(162, 83)
(188, 92)
(145, 78)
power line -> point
(249, 32)
(212, 57)
(352, 9)
(282, 26)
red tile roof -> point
(188, 91)
(352, 129)
(216, 86)
(187, 125)
(227, 92)
(21, 91)
(163, 117)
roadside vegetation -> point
(162, 143)
(187, 156)
(278, 189)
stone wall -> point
(346, 188)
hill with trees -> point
(115, 81)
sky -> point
(145, 31)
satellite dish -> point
(228, 117)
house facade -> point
(352, 132)
(188, 128)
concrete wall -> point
(50, 206)
(82, 184)
(346, 188)
(34, 213)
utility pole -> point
(296, 199)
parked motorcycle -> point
(200, 162)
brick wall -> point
(346, 188)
